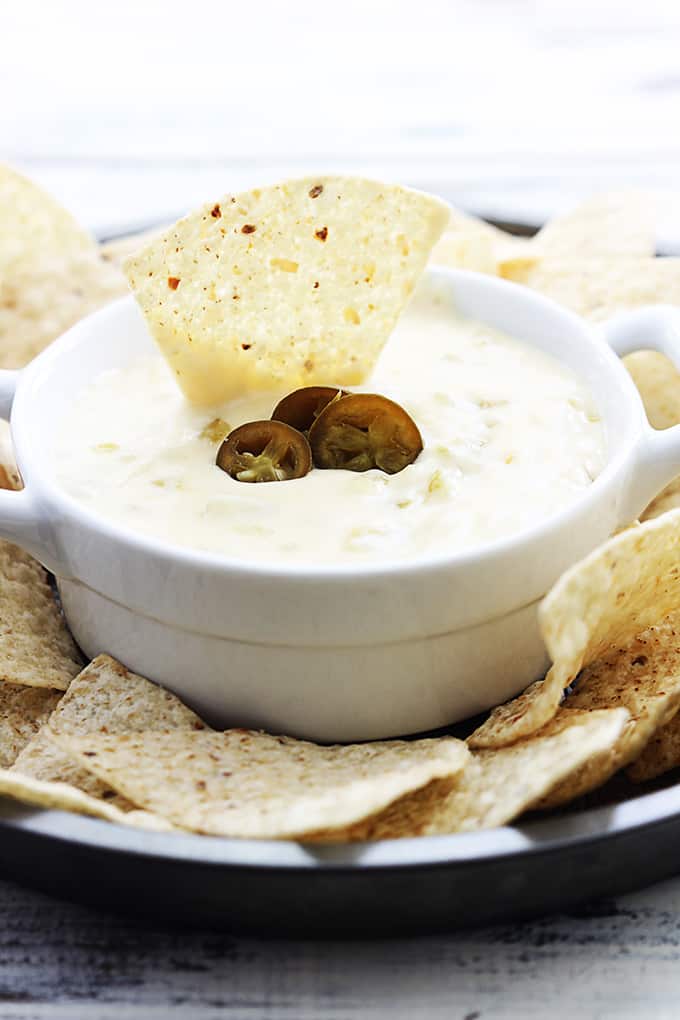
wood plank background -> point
(614, 961)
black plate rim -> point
(542, 836)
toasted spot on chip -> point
(600, 604)
(495, 786)
(250, 784)
(279, 264)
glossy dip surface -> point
(510, 436)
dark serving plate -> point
(355, 890)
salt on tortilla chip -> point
(51, 273)
(105, 698)
(36, 648)
(297, 283)
(248, 784)
(600, 604)
(495, 786)
(23, 710)
(613, 224)
(598, 288)
(644, 678)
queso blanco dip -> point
(510, 436)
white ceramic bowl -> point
(341, 653)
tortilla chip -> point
(9, 472)
(465, 251)
(468, 243)
(471, 243)
(36, 648)
(108, 698)
(51, 273)
(643, 678)
(598, 288)
(519, 718)
(495, 786)
(104, 698)
(30, 215)
(116, 251)
(293, 284)
(614, 224)
(658, 381)
(23, 710)
(660, 755)
(63, 797)
(247, 784)
(666, 501)
(619, 590)
(625, 586)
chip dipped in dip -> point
(510, 436)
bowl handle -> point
(655, 328)
(20, 520)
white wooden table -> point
(617, 961)
(130, 112)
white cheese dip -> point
(510, 436)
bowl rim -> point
(57, 499)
